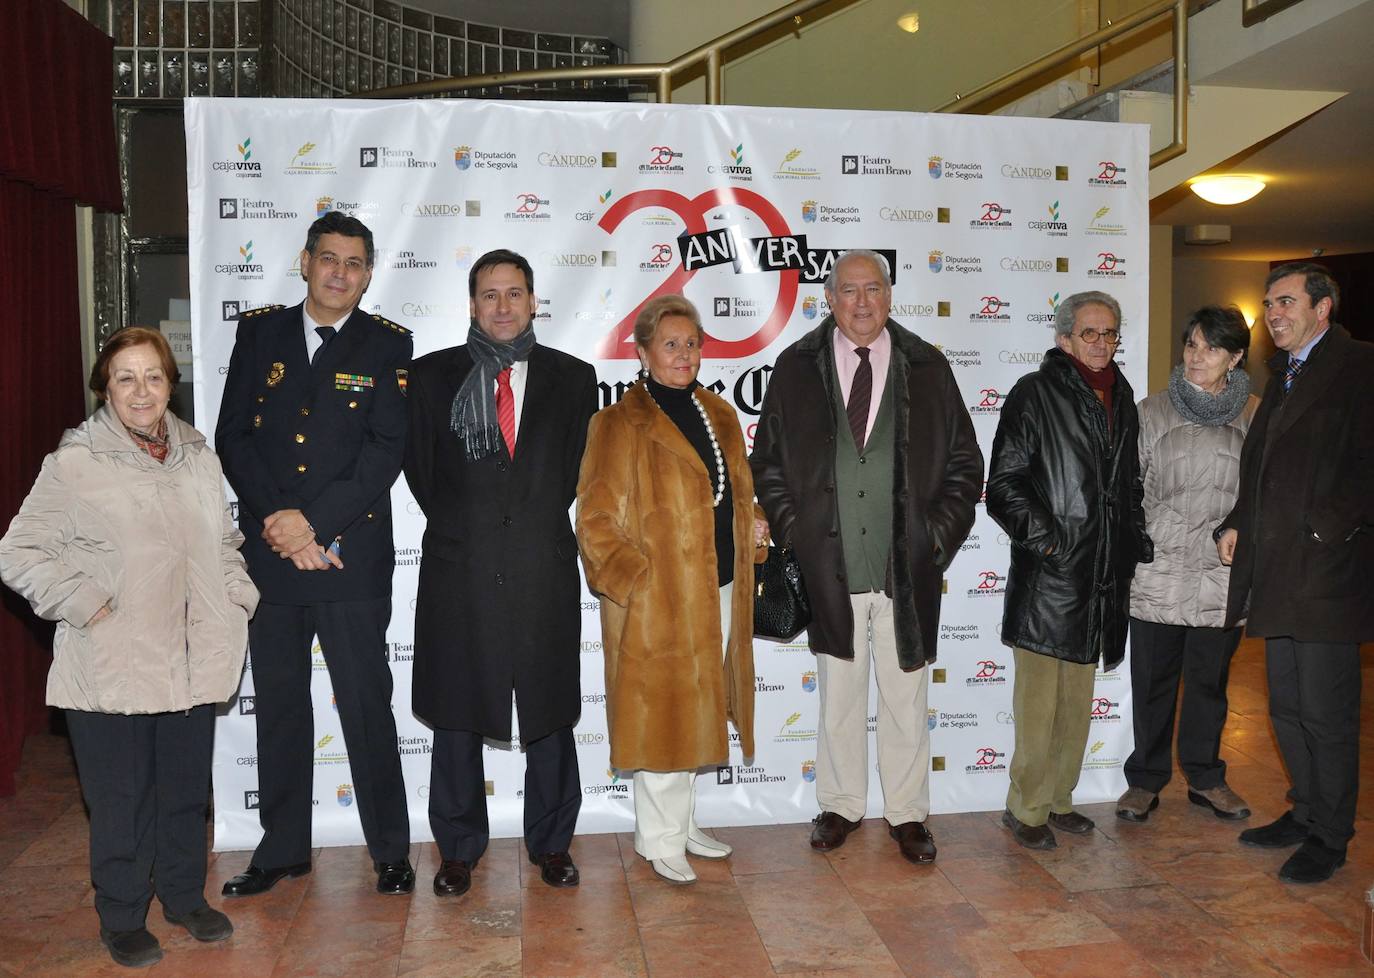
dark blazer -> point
(295, 438)
(498, 607)
(1308, 468)
(938, 476)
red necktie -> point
(505, 409)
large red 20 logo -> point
(618, 344)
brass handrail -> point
(711, 55)
(1018, 76)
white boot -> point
(674, 869)
(705, 846)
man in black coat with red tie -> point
(497, 429)
(311, 433)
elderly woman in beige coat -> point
(668, 534)
(1190, 440)
(126, 542)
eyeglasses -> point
(1090, 335)
(332, 261)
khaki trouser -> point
(1052, 703)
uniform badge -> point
(275, 375)
(402, 377)
(353, 382)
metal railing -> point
(711, 55)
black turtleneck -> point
(677, 404)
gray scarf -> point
(473, 414)
(1211, 410)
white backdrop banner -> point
(986, 223)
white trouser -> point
(665, 802)
(903, 738)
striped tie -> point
(505, 409)
(860, 394)
(1290, 374)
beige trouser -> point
(665, 802)
(903, 738)
(1052, 702)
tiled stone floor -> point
(1174, 897)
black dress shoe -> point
(254, 880)
(453, 879)
(556, 868)
(1314, 862)
(204, 923)
(395, 877)
(1276, 835)
(132, 948)
(1072, 822)
(830, 830)
(1030, 836)
(915, 842)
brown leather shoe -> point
(453, 879)
(1030, 836)
(1223, 802)
(915, 841)
(556, 868)
(1071, 822)
(830, 831)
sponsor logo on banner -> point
(251, 209)
(467, 158)
(435, 310)
(306, 162)
(1006, 718)
(1102, 224)
(814, 213)
(392, 158)
(231, 309)
(1021, 263)
(658, 219)
(990, 583)
(604, 312)
(612, 786)
(1108, 266)
(987, 760)
(958, 633)
(938, 167)
(248, 760)
(793, 731)
(860, 165)
(660, 258)
(971, 542)
(726, 306)
(938, 261)
(327, 751)
(401, 651)
(808, 682)
(956, 721)
(414, 745)
(812, 307)
(914, 215)
(1023, 171)
(442, 208)
(463, 256)
(1044, 317)
(529, 207)
(576, 161)
(317, 663)
(570, 259)
(1054, 227)
(734, 166)
(790, 169)
(808, 771)
(763, 686)
(345, 795)
(963, 358)
(243, 165)
(403, 260)
(248, 705)
(589, 739)
(920, 310)
(740, 774)
(991, 215)
(245, 269)
(1105, 710)
(250, 800)
(662, 160)
(1108, 175)
(1097, 757)
(361, 209)
(1021, 357)
(987, 672)
(932, 717)
(991, 309)
(989, 401)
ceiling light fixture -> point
(1227, 189)
(911, 23)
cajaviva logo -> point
(243, 166)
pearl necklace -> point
(715, 444)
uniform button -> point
(261, 398)
(301, 468)
(305, 412)
(863, 493)
(500, 579)
(257, 421)
(500, 466)
(352, 404)
(369, 516)
(863, 460)
(300, 439)
(506, 521)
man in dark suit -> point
(497, 429)
(311, 432)
(1301, 544)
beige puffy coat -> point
(104, 522)
(1191, 474)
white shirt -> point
(313, 341)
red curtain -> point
(57, 148)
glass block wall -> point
(325, 48)
(175, 48)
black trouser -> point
(1314, 704)
(353, 639)
(1160, 654)
(458, 796)
(146, 781)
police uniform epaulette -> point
(395, 327)
(250, 313)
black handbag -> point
(781, 607)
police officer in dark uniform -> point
(312, 430)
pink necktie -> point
(505, 409)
